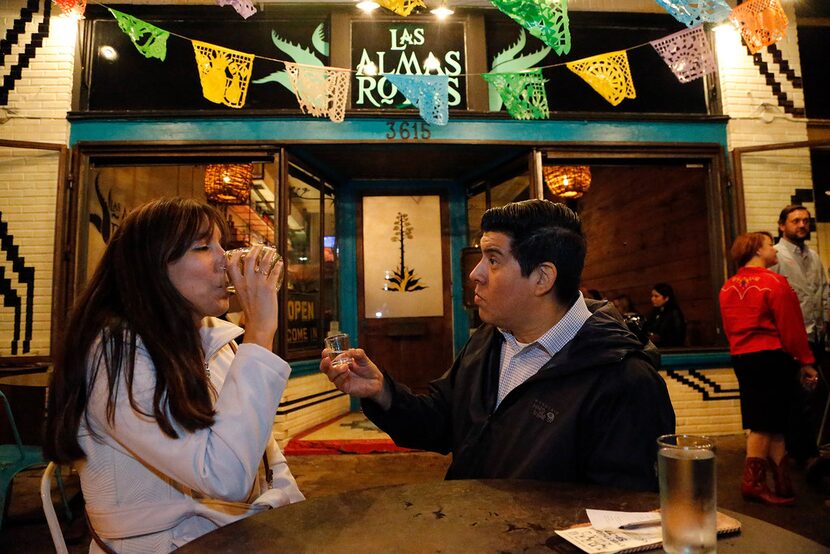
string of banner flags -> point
(225, 74)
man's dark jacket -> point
(591, 414)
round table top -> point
(458, 516)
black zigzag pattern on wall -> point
(784, 66)
(27, 55)
(17, 29)
(772, 81)
(708, 389)
(802, 196)
(26, 276)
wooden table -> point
(458, 516)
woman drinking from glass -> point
(164, 416)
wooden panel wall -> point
(647, 224)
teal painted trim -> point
(346, 218)
(365, 129)
(304, 367)
(696, 360)
(458, 240)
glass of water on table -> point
(338, 344)
(688, 503)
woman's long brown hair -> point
(130, 296)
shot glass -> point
(688, 502)
(338, 344)
(247, 250)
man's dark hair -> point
(785, 213)
(542, 231)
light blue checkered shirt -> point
(520, 361)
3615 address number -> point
(407, 130)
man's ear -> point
(544, 278)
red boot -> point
(754, 484)
(781, 477)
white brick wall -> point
(36, 111)
(698, 416)
(770, 178)
(300, 411)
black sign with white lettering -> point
(303, 328)
(418, 48)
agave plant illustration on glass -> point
(403, 279)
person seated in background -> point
(553, 387)
(164, 416)
(665, 324)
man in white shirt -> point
(802, 268)
(553, 387)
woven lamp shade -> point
(228, 183)
(567, 181)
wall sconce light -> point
(368, 6)
(442, 12)
(228, 183)
(567, 181)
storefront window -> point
(305, 254)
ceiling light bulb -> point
(368, 6)
(442, 12)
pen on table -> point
(640, 524)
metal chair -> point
(14, 458)
(49, 508)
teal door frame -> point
(346, 207)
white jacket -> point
(147, 492)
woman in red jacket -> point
(763, 322)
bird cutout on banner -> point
(608, 74)
(224, 73)
(694, 12)
(523, 93)
(687, 53)
(320, 91)
(507, 62)
(299, 55)
(72, 7)
(761, 22)
(245, 8)
(148, 39)
(546, 20)
(402, 7)
(428, 93)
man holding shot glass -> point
(552, 387)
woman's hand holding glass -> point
(256, 288)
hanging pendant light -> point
(228, 183)
(567, 181)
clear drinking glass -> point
(338, 344)
(688, 502)
(247, 250)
